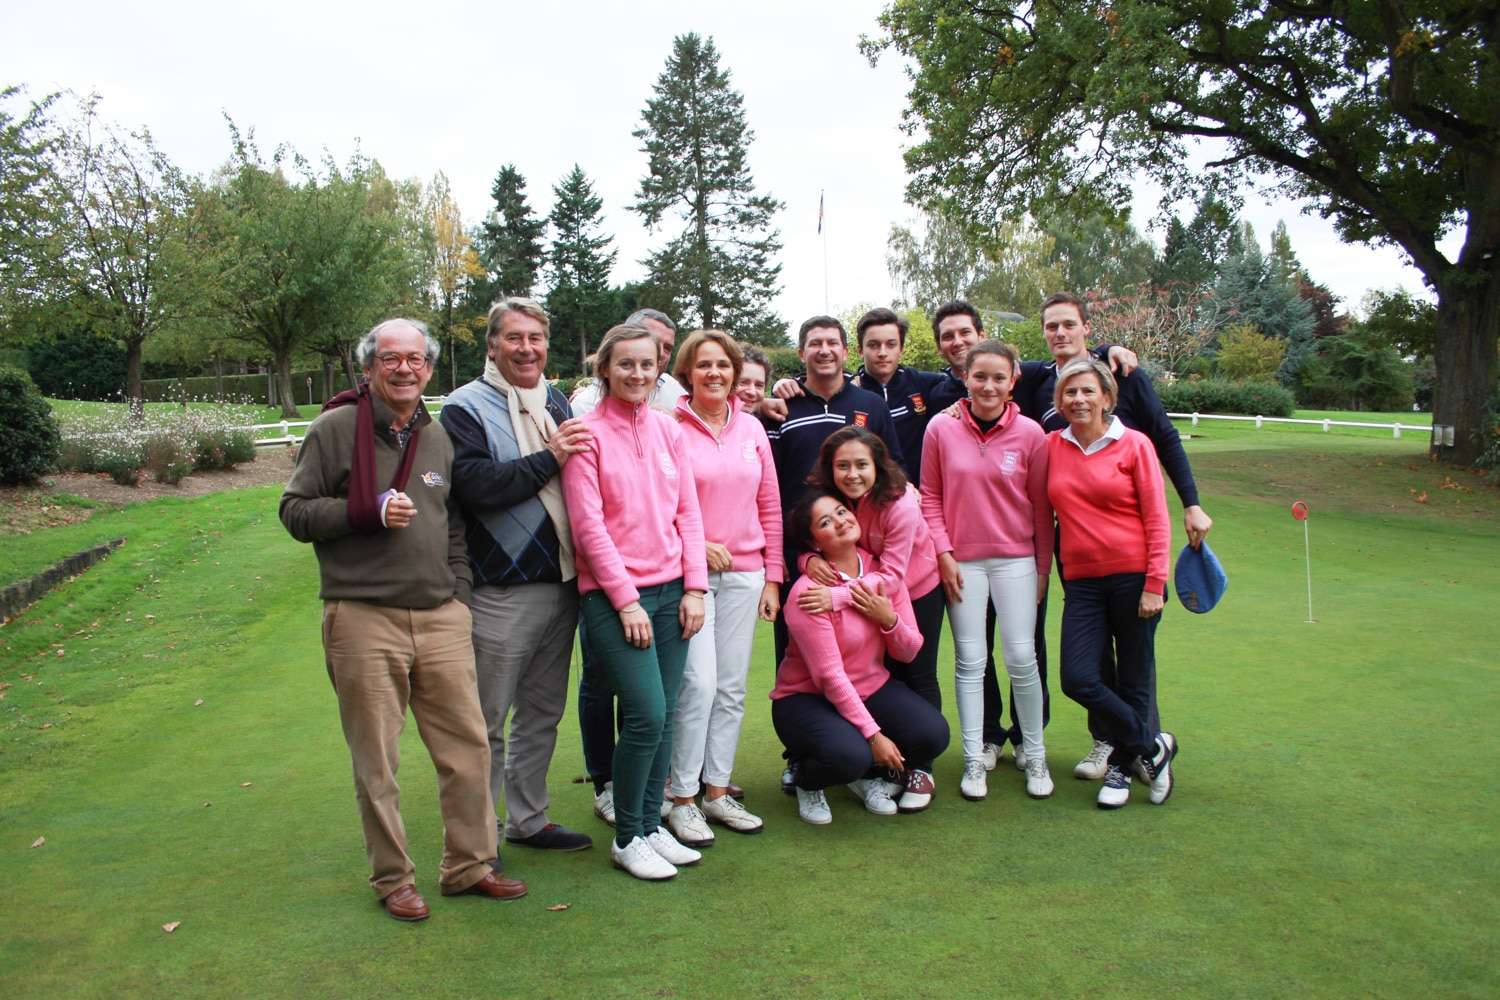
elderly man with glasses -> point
(371, 492)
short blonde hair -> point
(613, 338)
(687, 355)
(1084, 366)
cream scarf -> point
(533, 426)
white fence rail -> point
(286, 427)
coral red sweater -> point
(1111, 508)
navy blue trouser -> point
(921, 673)
(830, 751)
(1096, 612)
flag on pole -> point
(820, 212)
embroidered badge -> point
(1010, 461)
(747, 451)
(918, 403)
(434, 478)
(667, 467)
(861, 418)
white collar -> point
(1113, 432)
(859, 570)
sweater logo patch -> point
(1010, 461)
(861, 418)
(918, 403)
(668, 467)
(434, 479)
(747, 451)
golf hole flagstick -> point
(1300, 510)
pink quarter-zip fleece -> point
(728, 469)
(632, 505)
(984, 495)
(841, 654)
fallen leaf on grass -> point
(198, 702)
(246, 784)
(207, 804)
(554, 907)
(61, 653)
(170, 927)
(38, 842)
(46, 725)
(150, 619)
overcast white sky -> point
(465, 87)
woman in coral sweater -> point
(638, 540)
(838, 710)
(1105, 484)
(984, 495)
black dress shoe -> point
(555, 838)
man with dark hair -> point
(881, 336)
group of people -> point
(660, 516)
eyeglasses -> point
(390, 362)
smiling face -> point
(823, 352)
(955, 335)
(390, 368)
(1085, 404)
(882, 350)
(712, 376)
(854, 470)
(1066, 333)
(834, 529)
(519, 349)
(752, 387)
(990, 381)
(632, 370)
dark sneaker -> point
(917, 795)
(555, 838)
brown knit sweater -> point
(419, 566)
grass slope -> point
(1333, 830)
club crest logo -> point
(668, 467)
(918, 404)
(747, 451)
(1009, 462)
(434, 479)
(861, 418)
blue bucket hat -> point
(1200, 579)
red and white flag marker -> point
(1300, 511)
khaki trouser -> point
(380, 660)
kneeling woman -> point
(638, 537)
(1105, 485)
(835, 706)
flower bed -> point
(167, 445)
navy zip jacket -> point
(809, 421)
(908, 396)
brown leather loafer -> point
(405, 904)
(496, 887)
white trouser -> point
(1011, 584)
(711, 704)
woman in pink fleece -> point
(984, 494)
(855, 465)
(638, 540)
(731, 463)
(836, 707)
(1105, 484)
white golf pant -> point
(711, 703)
(1011, 584)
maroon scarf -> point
(364, 502)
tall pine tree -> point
(719, 265)
(581, 304)
(509, 241)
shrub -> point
(169, 458)
(1246, 353)
(1212, 395)
(78, 365)
(122, 466)
(29, 441)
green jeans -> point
(646, 681)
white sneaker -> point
(689, 826)
(973, 785)
(1095, 764)
(812, 807)
(1038, 779)
(1020, 759)
(666, 807)
(1158, 772)
(727, 811)
(1115, 791)
(604, 803)
(873, 793)
(666, 845)
(991, 755)
(640, 860)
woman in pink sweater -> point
(984, 494)
(855, 466)
(1106, 486)
(732, 466)
(836, 707)
(638, 540)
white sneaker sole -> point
(644, 878)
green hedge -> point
(1217, 395)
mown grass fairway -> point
(1333, 831)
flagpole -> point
(825, 251)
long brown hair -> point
(890, 481)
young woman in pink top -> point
(984, 494)
(638, 541)
(836, 707)
(855, 465)
(1105, 483)
(735, 477)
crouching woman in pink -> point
(836, 707)
(638, 540)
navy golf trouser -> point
(830, 751)
(1096, 612)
